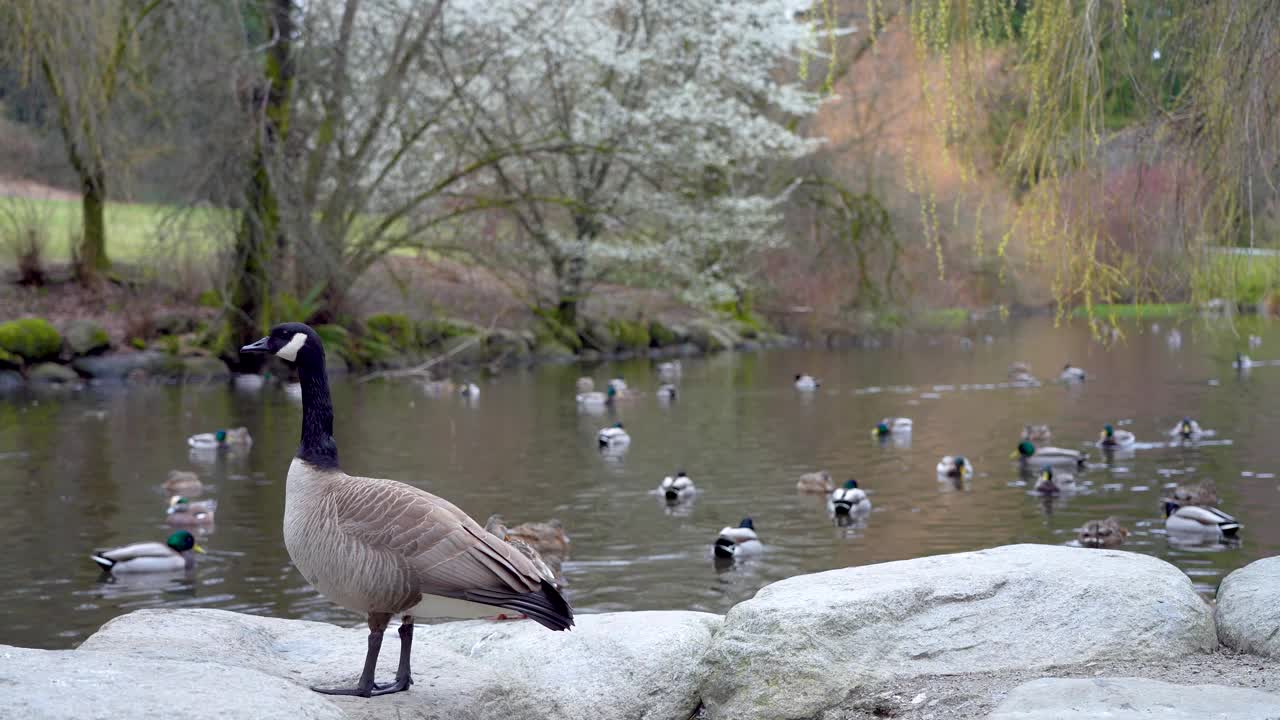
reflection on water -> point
(83, 470)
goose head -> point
(183, 541)
(292, 342)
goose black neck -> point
(318, 447)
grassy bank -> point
(1140, 311)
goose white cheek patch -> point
(290, 352)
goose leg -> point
(403, 678)
(365, 688)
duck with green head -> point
(848, 499)
(1111, 438)
(1031, 456)
(955, 467)
(175, 554)
(892, 426)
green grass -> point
(133, 229)
(942, 319)
(1135, 312)
(1238, 278)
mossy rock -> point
(397, 328)
(52, 374)
(31, 339)
(437, 330)
(175, 323)
(661, 336)
(85, 337)
(630, 335)
(11, 380)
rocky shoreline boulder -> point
(1247, 613)
(802, 645)
(612, 665)
(1133, 699)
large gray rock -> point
(803, 644)
(11, 380)
(84, 337)
(82, 685)
(1133, 699)
(1247, 613)
(116, 367)
(52, 374)
(619, 665)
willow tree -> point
(1195, 83)
(87, 56)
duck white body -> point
(1209, 522)
(1118, 439)
(469, 390)
(957, 466)
(1242, 362)
(593, 399)
(1050, 456)
(1187, 430)
(1072, 374)
(613, 436)
(233, 438)
(667, 391)
(186, 513)
(893, 426)
(848, 501)
(177, 554)
(249, 382)
(619, 385)
(677, 488)
(585, 384)
(806, 383)
(736, 542)
(670, 371)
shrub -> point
(630, 335)
(397, 328)
(660, 335)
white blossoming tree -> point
(650, 126)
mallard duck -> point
(182, 482)
(1204, 493)
(597, 399)
(848, 499)
(1186, 429)
(955, 467)
(1051, 483)
(677, 488)
(249, 382)
(1102, 533)
(614, 436)
(1037, 433)
(1174, 338)
(439, 387)
(670, 371)
(815, 482)
(1242, 362)
(738, 541)
(619, 385)
(1032, 456)
(892, 426)
(469, 390)
(433, 560)
(1255, 341)
(221, 439)
(585, 384)
(1112, 438)
(498, 528)
(667, 391)
(176, 553)
(1020, 374)
(185, 512)
(806, 383)
(548, 538)
(1072, 374)
(1198, 520)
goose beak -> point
(259, 346)
(198, 549)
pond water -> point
(82, 470)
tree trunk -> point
(92, 252)
(569, 290)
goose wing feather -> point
(444, 551)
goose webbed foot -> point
(400, 684)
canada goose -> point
(670, 371)
(667, 391)
(384, 548)
(1196, 520)
(1031, 456)
(469, 390)
(1242, 362)
(597, 399)
(1204, 493)
(892, 426)
(848, 500)
(806, 383)
(738, 541)
(176, 553)
(585, 384)
(221, 439)
(613, 436)
(1051, 483)
(184, 512)
(1072, 374)
(182, 482)
(678, 488)
(1037, 433)
(815, 482)
(1102, 533)
(1186, 429)
(496, 526)
(1112, 438)
(955, 467)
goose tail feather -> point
(546, 606)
